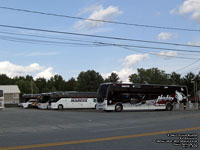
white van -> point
(1, 99)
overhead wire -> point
(33, 41)
(98, 36)
(194, 69)
(91, 43)
(96, 20)
(182, 68)
(148, 47)
(61, 38)
(151, 53)
(42, 36)
(101, 44)
(95, 36)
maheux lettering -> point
(79, 100)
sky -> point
(44, 54)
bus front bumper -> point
(104, 106)
(101, 106)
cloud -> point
(131, 60)
(128, 64)
(98, 13)
(47, 73)
(194, 43)
(13, 70)
(164, 36)
(170, 53)
(90, 9)
(190, 7)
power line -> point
(95, 44)
(42, 36)
(60, 38)
(103, 43)
(96, 36)
(191, 70)
(148, 47)
(105, 21)
(156, 54)
(187, 65)
(33, 41)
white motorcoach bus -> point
(73, 99)
(1, 99)
(119, 96)
(44, 100)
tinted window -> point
(1, 93)
(102, 91)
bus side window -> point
(111, 95)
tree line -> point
(90, 80)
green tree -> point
(56, 83)
(41, 83)
(135, 78)
(112, 78)
(5, 80)
(89, 81)
(26, 87)
(151, 76)
(175, 78)
(29, 78)
(71, 85)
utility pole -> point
(31, 87)
(194, 86)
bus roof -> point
(141, 85)
(75, 94)
(30, 95)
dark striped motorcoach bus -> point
(124, 96)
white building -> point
(11, 94)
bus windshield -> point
(102, 92)
(45, 97)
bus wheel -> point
(118, 108)
(169, 107)
(60, 107)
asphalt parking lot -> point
(91, 129)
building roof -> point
(9, 88)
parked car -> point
(30, 103)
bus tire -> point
(169, 107)
(118, 107)
(60, 107)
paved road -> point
(89, 129)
